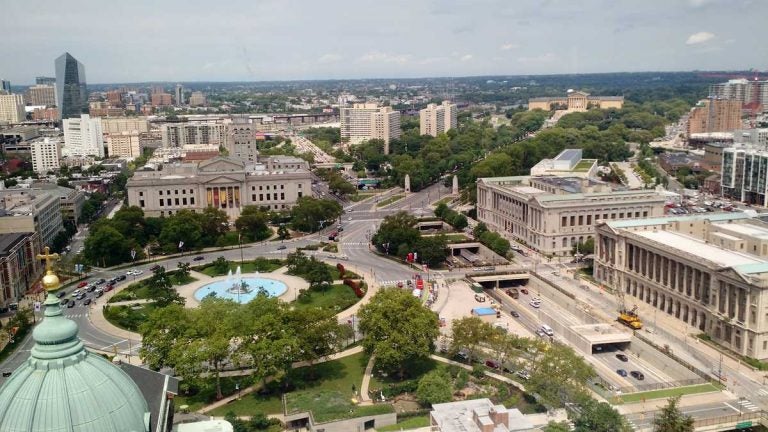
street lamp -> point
(237, 387)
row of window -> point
(581, 219)
(183, 201)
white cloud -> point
(431, 60)
(380, 57)
(466, 57)
(699, 37)
(508, 46)
(329, 58)
(543, 58)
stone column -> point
(407, 183)
(455, 189)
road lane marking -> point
(732, 407)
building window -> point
(299, 194)
(261, 197)
(581, 220)
(161, 193)
(175, 191)
(282, 187)
(300, 185)
(141, 203)
(177, 201)
(141, 194)
(253, 188)
(191, 191)
(621, 215)
(259, 187)
(184, 201)
(253, 197)
(645, 214)
(192, 200)
(275, 197)
(564, 221)
(267, 187)
(589, 219)
(573, 220)
(161, 202)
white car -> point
(535, 304)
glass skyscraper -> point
(71, 96)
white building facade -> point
(46, 155)
(363, 122)
(181, 134)
(12, 108)
(436, 119)
(83, 136)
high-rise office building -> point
(12, 108)
(41, 94)
(179, 95)
(51, 81)
(83, 136)
(161, 99)
(367, 121)
(5, 86)
(197, 99)
(436, 119)
(181, 134)
(71, 93)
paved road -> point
(644, 420)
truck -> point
(512, 292)
(630, 319)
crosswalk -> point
(763, 392)
(391, 282)
(354, 244)
(80, 315)
(631, 424)
(746, 404)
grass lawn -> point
(455, 238)
(408, 423)
(262, 265)
(329, 398)
(128, 317)
(204, 393)
(140, 290)
(390, 200)
(445, 200)
(666, 393)
(583, 165)
(337, 298)
(361, 196)
(251, 404)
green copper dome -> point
(64, 388)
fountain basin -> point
(223, 288)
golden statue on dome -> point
(50, 280)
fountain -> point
(237, 286)
(241, 289)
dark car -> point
(281, 247)
(120, 277)
(154, 267)
(514, 313)
(91, 288)
(100, 281)
(61, 294)
(493, 364)
(622, 357)
(71, 304)
(637, 375)
(87, 302)
(81, 296)
(621, 372)
(64, 301)
(198, 258)
(524, 291)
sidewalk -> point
(685, 401)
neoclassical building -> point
(709, 270)
(575, 101)
(222, 182)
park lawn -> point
(415, 371)
(128, 317)
(140, 290)
(204, 392)
(252, 404)
(361, 196)
(667, 393)
(390, 200)
(337, 298)
(261, 265)
(330, 397)
(408, 423)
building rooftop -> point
(712, 217)
(8, 241)
(701, 249)
(460, 417)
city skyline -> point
(274, 41)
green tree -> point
(318, 333)
(559, 375)
(599, 417)
(309, 214)
(269, 345)
(182, 272)
(434, 387)
(161, 289)
(585, 248)
(468, 333)
(671, 419)
(106, 247)
(214, 223)
(185, 227)
(432, 250)
(390, 322)
(253, 223)
(556, 427)
(282, 232)
(163, 330)
(397, 230)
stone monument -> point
(455, 189)
(407, 183)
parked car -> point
(198, 258)
(637, 375)
(535, 304)
(493, 364)
(154, 268)
(524, 374)
(87, 302)
(61, 294)
(64, 301)
(76, 292)
(281, 247)
(514, 313)
(120, 277)
(71, 304)
(463, 355)
(82, 284)
(621, 372)
(100, 281)
(622, 357)
(108, 287)
(524, 291)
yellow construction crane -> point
(628, 317)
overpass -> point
(745, 420)
(502, 280)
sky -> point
(257, 40)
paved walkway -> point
(364, 398)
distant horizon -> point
(763, 75)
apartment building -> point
(197, 99)
(41, 95)
(742, 90)
(161, 99)
(19, 266)
(363, 122)
(46, 154)
(709, 270)
(30, 211)
(126, 145)
(436, 119)
(111, 125)
(71, 200)
(714, 115)
(12, 108)
(182, 134)
(83, 136)
(552, 214)
(222, 182)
